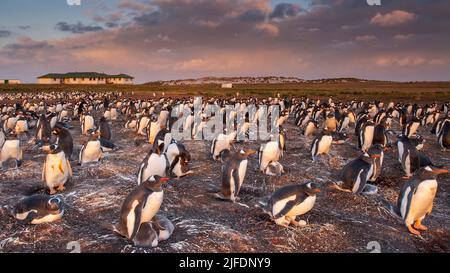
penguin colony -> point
(47, 124)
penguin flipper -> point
(289, 205)
(30, 217)
(237, 187)
(70, 168)
(43, 172)
(137, 220)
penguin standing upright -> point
(356, 173)
(220, 143)
(105, 130)
(269, 152)
(366, 134)
(416, 197)
(290, 201)
(39, 209)
(92, 150)
(155, 163)
(380, 134)
(11, 150)
(140, 206)
(378, 161)
(444, 136)
(408, 155)
(56, 170)
(310, 128)
(233, 175)
(153, 128)
(321, 144)
(411, 127)
(64, 140)
(87, 123)
(43, 130)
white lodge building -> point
(85, 78)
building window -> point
(54, 79)
(74, 79)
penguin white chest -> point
(368, 137)
(92, 152)
(401, 149)
(11, 149)
(242, 171)
(56, 170)
(422, 200)
(156, 165)
(269, 152)
(324, 144)
(303, 207)
(152, 206)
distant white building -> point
(227, 85)
(10, 82)
(85, 78)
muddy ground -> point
(339, 222)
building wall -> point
(10, 82)
(227, 85)
(85, 81)
(48, 81)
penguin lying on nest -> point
(38, 209)
(290, 201)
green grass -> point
(429, 91)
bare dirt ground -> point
(339, 222)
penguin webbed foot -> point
(412, 230)
(418, 225)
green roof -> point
(84, 75)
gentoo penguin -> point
(416, 197)
(408, 155)
(378, 161)
(274, 169)
(146, 236)
(11, 150)
(321, 144)
(310, 127)
(87, 123)
(105, 130)
(153, 128)
(163, 226)
(2, 137)
(57, 170)
(269, 152)
(444, 136)
(380, 134)
(152, 232)
(233, 175)
(43, 130)
(356, 173)
(220, 143)
(411, 127)
(366, 134)
(155, 163)
(140, 206)
(64, 140)
(92, 150)
(331, 124)
(38, 209)
(290, 201)
(164, 136)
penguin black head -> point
(54, 204)
(312, 188)
(54, 149)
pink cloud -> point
(394, 18)
(365, 38)
(270, 29)
(408, 61)
(404, 37)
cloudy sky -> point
(172, 39)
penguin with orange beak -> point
(356, 173)
(416, 197)
(233, 174)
